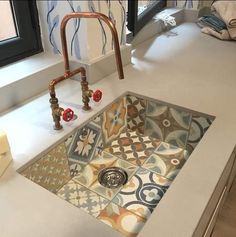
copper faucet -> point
(68, 114)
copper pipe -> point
(90, 15)
(69, 74)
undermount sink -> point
(139, 140)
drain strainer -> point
(112, 177)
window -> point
(140, 12)
(19, 30)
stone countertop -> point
(191, 70)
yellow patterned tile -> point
(51, 171)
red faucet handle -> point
(97, 95)
(68, 115)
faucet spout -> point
(97, 16)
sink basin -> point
(147, 140)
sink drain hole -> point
(112, 177)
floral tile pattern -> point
(167, 160)
(83, 198)
(167, 124)
(51, 171)
(198, 128)
(133, 147)
(136, 108)
(89, 172)
(114, 121)
(85, 143)
(142, 193)
(122, 220)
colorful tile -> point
(127, 166)
(167, 124)
(97, 121)
(142, 193)
(83, 144)
(108, 192)
(122, 220)
(88, 173)
(136, 108)
(199, 126)
(133, 147)
(167, 160)
(83, 198)
(114, 121)
(51, 171)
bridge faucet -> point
(68, 114)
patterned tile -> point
(198, 128)
(133, 147)
(83, 146)
(83, 198)
(167, 160)
(97, 121)
(142, 193)
(51, 171)
(110, 193)
(114, 121)
(168, 124)
(136, 108)
(122, 220)
(89, 172)
(127, 166)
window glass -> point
(19, 30)
(8, 29)
(144, 5)
(142, 11)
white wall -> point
(89, 42)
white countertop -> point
(191, 70)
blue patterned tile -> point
(167, 160)
(83, 146)
(199, 126)
(142, 193)
(83, 198)
(167, 124)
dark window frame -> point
(134, 22)
(28, 39)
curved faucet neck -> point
(95, 15)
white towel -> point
(227, 11)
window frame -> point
(28, 39)
(134, 22)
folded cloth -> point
(223, 34)
(227, 11)
(214, 22)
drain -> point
(112, 177)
